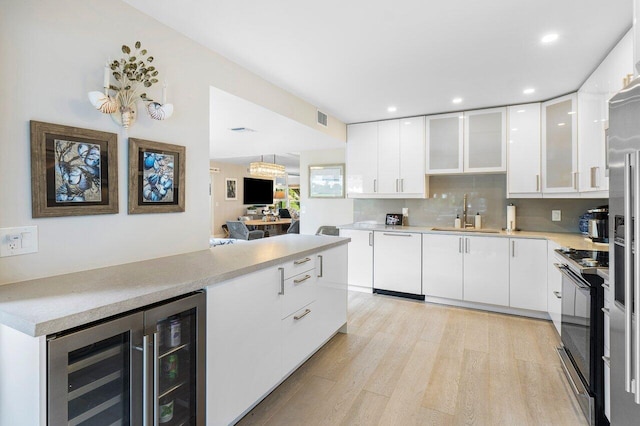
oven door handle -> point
(575, 278)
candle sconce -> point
(133, 74)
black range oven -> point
(582, 329)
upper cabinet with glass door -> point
(469, 142)
(560, 145)
(444, 143)
(485, 140)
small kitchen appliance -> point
(598, 229)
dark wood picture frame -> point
(161, 162)
(74, 171)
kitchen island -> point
(31, 311)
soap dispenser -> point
(478, 221)
(457, 223)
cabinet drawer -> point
(607, 391)
(298, 266)
(607, 324)
(300, 337)
(299, 290)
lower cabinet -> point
(256, 335)
(554, 287)
(442, 265)
(360, 255)
(528, 274)
(398, 262)
(486, 270)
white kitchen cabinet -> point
(554, 286)
(388, 157)
(412, 176)
(244, 345)
(528, 274)
(442, 261)
(485, 141)
(560, 145)
(360, 255)
(523, 149)
(331, 300)
(486, 270)
(362, 159)
(593, 107)
(385, 159)
(444, 143)
(398, 262)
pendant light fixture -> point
(270, 170)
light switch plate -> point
(20, 240)
(556, 215)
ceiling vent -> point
(323, 119)
(241, 129)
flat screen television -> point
(258, 191)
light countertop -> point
(50, 305)
(573, 240)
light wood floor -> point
(413, 363)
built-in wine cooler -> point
(143, 368)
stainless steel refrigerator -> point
(142, 368)
(624, 214)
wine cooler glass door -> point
(175, 332)
(94, 374)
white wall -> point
(315, 212)
(53, 53)
(224, 210)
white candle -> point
(164, 93)
(107, 75)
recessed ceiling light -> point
(515, 129)
(529, 91)
(561, 124)
(407, 123)
(549, 38)
(457, 100)
(571, 112)
(520, 111)
(392, 109)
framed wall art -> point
(74, 171)
(326, 181)
(156, 177)
(231, 189)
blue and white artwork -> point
(157, 177)
(77, 172)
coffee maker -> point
(599, 224)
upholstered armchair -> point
(239, 231)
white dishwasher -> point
(397, 264)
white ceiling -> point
(355, 58)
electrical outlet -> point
(15, 241)
(556, 215)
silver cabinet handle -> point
(513, 248)
(607, 361)
(401, 185)
(563, 363)
(301, 261)
(301, 280)
(321, 264)
(606, 311)
(145, 380)
(592, 175)
(399, 234)
(302, 315)
(635, 302)
(460, 245)
(156, 378)
(605, 286)
(537, 183)
(628, 273)
(281, 292)
(397, 185)
(575, 180)
(557, 294)
(371, 239)
(375, 185)
(467, 246)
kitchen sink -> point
(452, 229)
